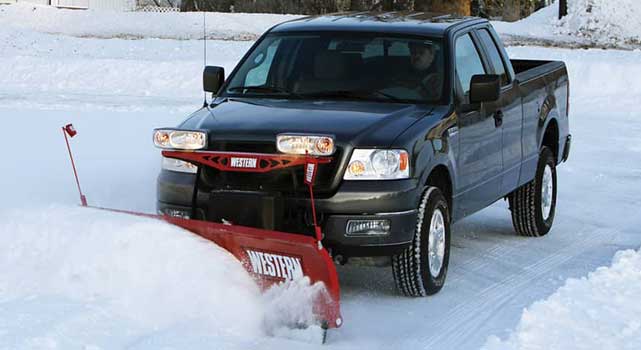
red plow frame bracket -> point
(264, 162)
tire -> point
(415, 273)
(529, 215)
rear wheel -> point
(533, 205)
(421, 269)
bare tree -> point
(461, 7)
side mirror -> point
(485, 88)
(213, 78)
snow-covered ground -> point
(136, 25)
(73, 278)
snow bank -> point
(74, 278)
(601, 311)
(136, 25)
(68, 276)
(602, 23)
(539, 24)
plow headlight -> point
(180, 139)
(378, 164)
(314, 145)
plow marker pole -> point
(71, 131)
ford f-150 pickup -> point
(426, 121)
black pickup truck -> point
(426, 121)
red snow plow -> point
(270, 257)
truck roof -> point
(414, 23)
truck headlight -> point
(378, 164)
(314, 145)
(180, 139)
(178, 165)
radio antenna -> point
(204, 51)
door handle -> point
(498, 118)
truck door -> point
(507, 111)
(479, 157)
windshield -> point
(342, 66)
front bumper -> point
(395, 201)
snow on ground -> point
(116, 91)
(45, 69)
(601, 311)
(589, 23)
(60, 71)
(73, 278)
(135, 25)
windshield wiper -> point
(263, 89)
(386, 95)
(343, 94)
(266, 89)
(352, 94)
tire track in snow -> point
(482, 259)
(464, 320)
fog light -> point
(178, 165)
(177, 213)
(367, 228)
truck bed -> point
(544, 89)
(529, 69)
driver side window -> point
(468, 63)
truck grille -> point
(288, 180)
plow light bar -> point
(378, 164)
(314, 145)
(180, 139)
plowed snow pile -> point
(601, 311)
(604, 21)
(72, 277)
(600, 23)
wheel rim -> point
(436, 243)
(547, 191)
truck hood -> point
(359, 123)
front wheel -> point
(420, 270)
(533, 205)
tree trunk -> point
(358, 5)
(563, 8)
(343, 5)
(512, 10)
(459, 7)
(404, 5)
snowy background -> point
(74, 278)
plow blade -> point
(272, 258)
